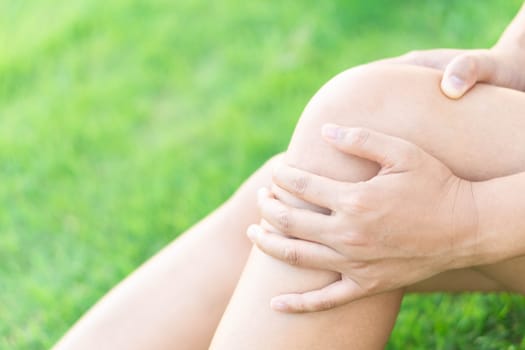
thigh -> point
(177, 298)
(480, 136)
(249, 323)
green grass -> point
(122, 122)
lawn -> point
(123, 122)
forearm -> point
(514, 34)
(501, 219)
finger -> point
(465, 71)
(294, 251)
(312, 188)
(336, 294)
(301, 223)
(438, 58)
(388, 151)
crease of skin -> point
(451, 229)
(477, 234)
(471, 209)
(454, 213)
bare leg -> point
(176, 299)
(472, 136)
(168, 304)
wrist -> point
(488, 243)
(476, 243)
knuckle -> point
(284, 220)
(324, 303)
(356, 203)
(354, 239)
(302, 305)
(291, 255)
(300, 184)
(359, 136)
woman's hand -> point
(414, 219)
(502, 66)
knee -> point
(376, 95)
(387, 98)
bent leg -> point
(249, 323)
(478, 137)
(176, 300)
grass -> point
(123, 122)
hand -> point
(414, 219)
(501, 66)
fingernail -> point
(456, 82)
(453, 85)
(332, 131)
(278, 305)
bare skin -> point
(501, 65)
(165, 304)
(459, 131)
(455, 132)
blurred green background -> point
(122, 122)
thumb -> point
(388, 151)
(464, 71)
